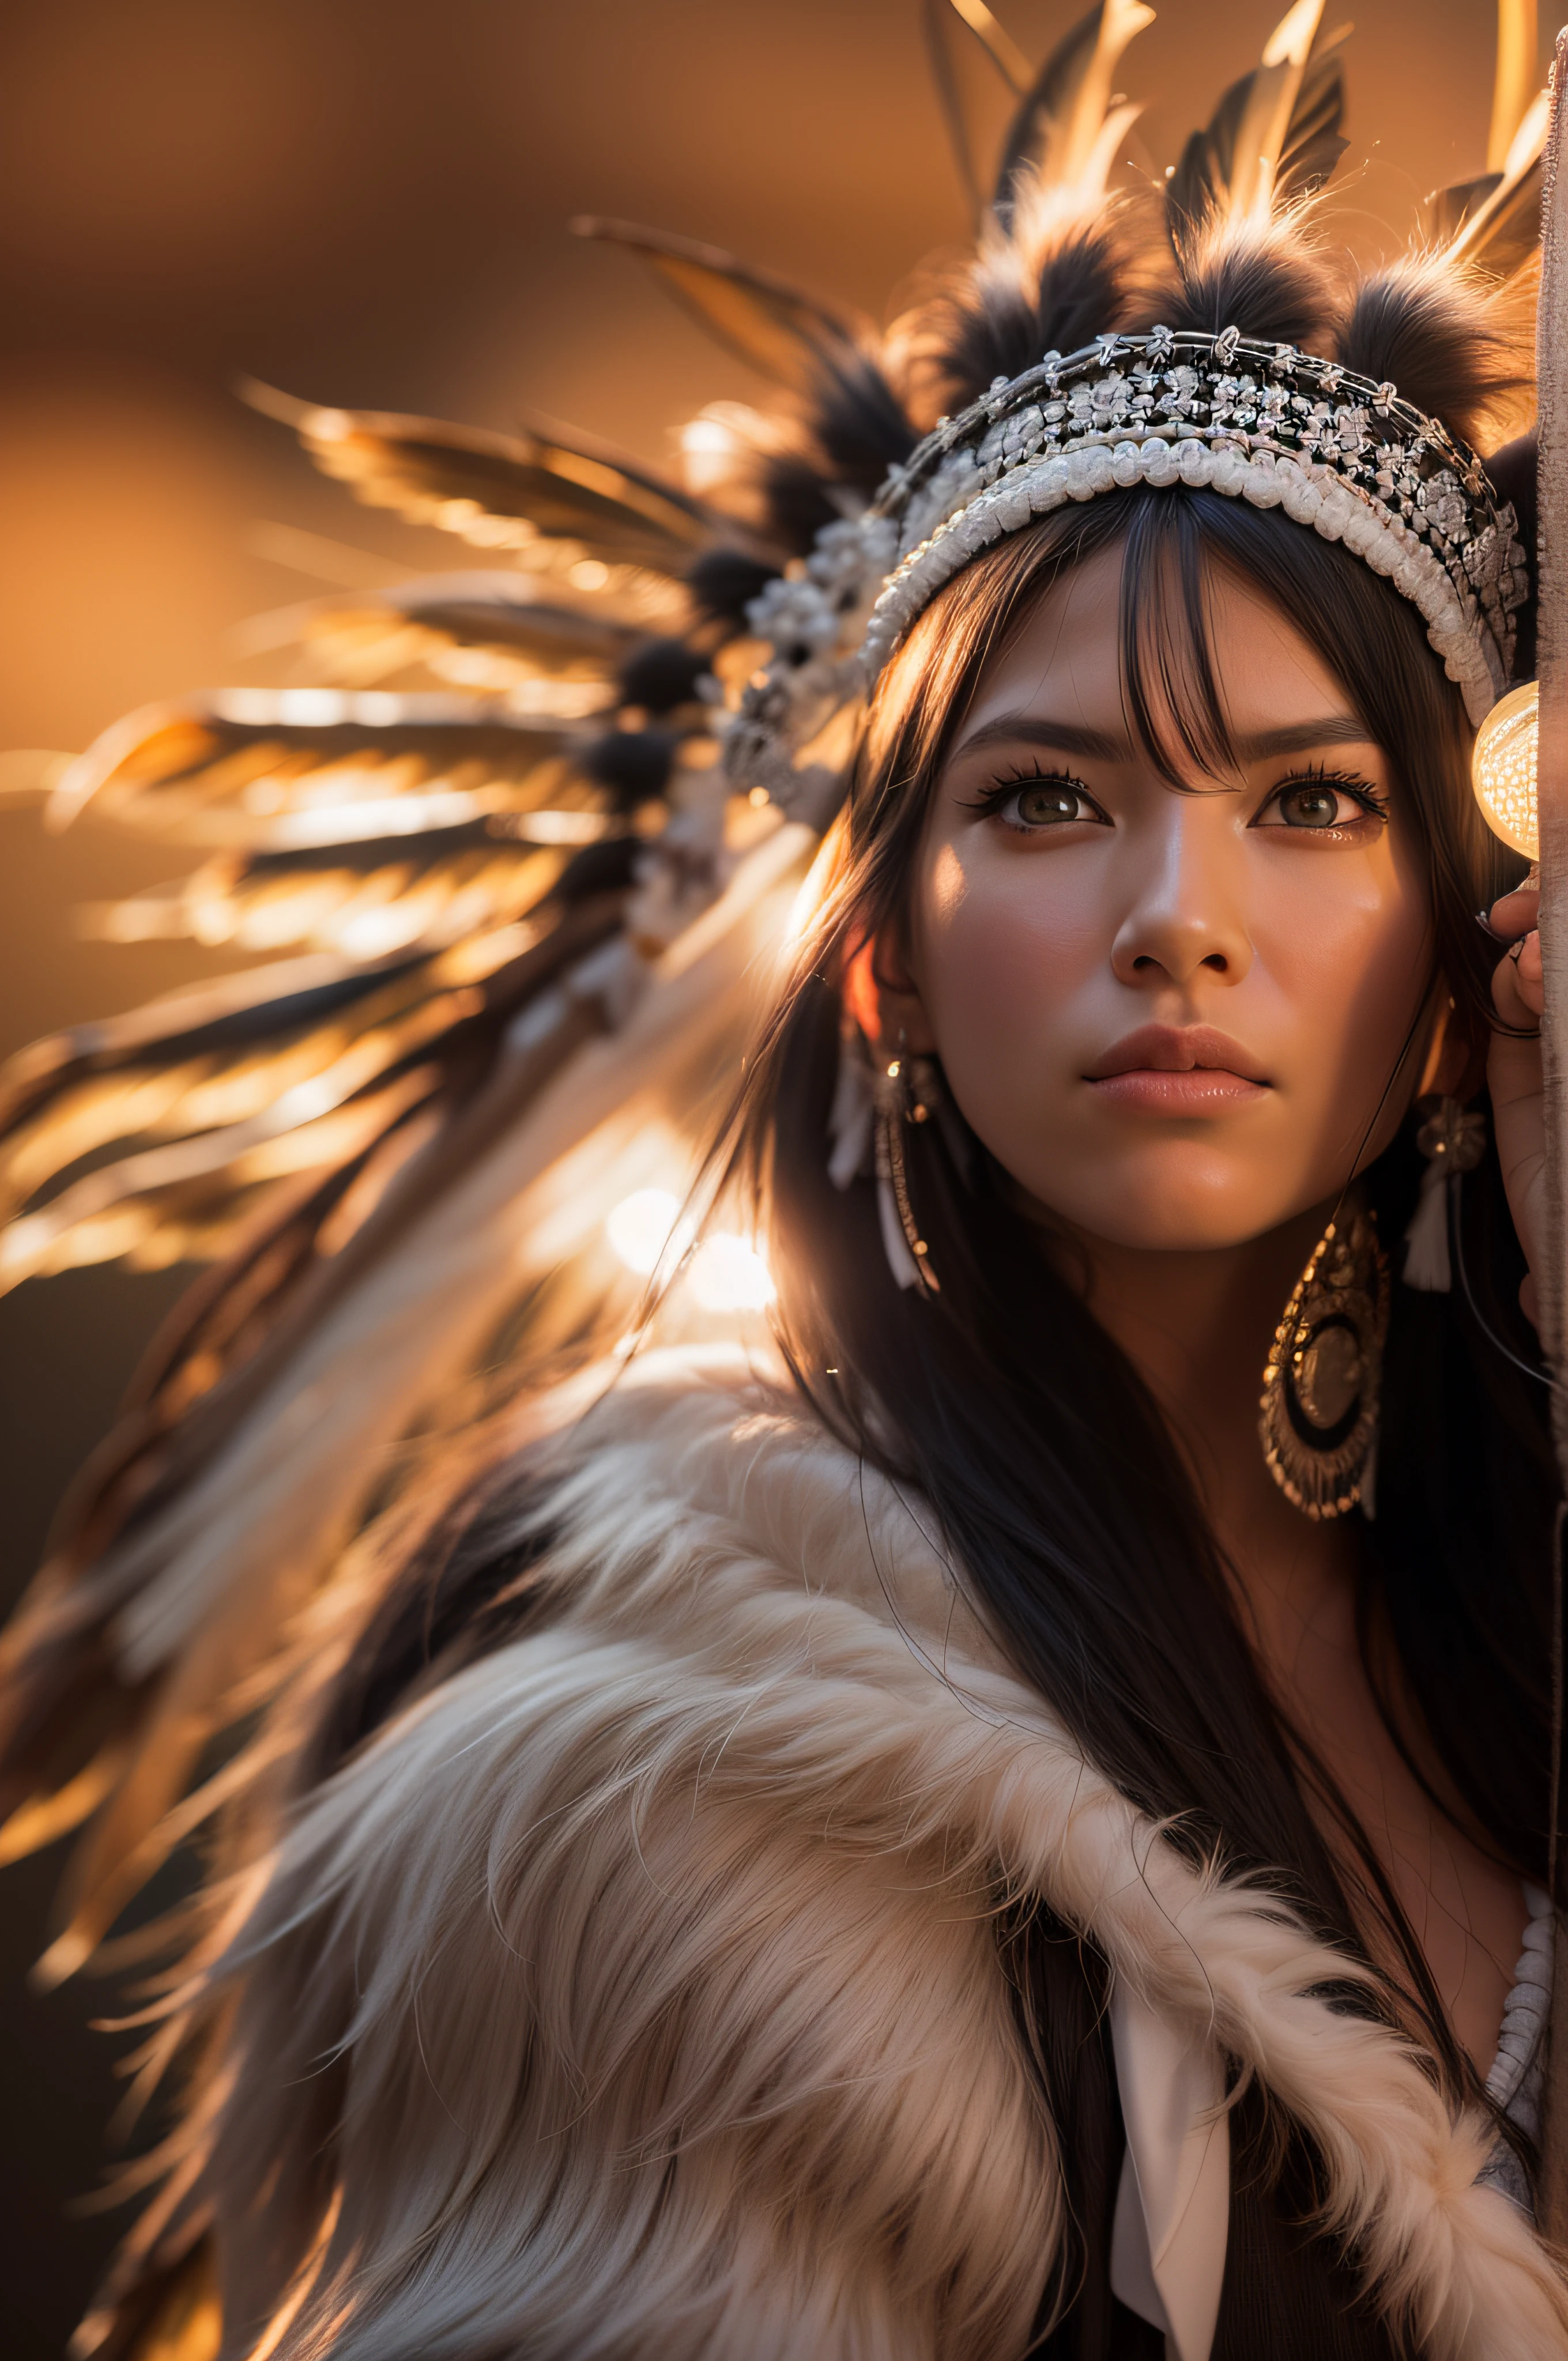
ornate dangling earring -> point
(1320, 1388)
(905, 1094)
(1453, 1140)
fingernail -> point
(1484, 920)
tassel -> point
(853, 1114)
(1453, 1140)
(900, 1261)
(1426, 1240)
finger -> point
(1525, 959)
(1516, 914)
(1517, 994)
(1513, 1072)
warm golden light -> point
(644, 1228)
(1502, 769)
(728, 1274)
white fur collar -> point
(662, 1939)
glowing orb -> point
(728, 1274)
(1502, 769)
(646, 1225)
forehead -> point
(1067, 655)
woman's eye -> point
(1047, 803)
(1313, 804)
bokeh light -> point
(646, 1225)
(728, 1274)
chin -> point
(1161, 1212)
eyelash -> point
(1002, 790)
(1374, 802)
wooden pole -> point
(1552, 1280)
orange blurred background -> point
(365, 202)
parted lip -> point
(1176, 1049)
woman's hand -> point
(1513, 1076)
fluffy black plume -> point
(1443, 340)
(723, 582)
(633, 763)
(1267, 282)
(1055, 285)
(661, 674)
(856, 420)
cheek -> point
(1002, 949)
(1348, 959)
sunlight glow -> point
(728, 1274)
(644, 1225)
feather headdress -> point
(513, 898)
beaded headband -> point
(1258, 421)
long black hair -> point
(1058, 1486)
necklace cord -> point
(1456, 1249)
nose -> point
(1186, 914)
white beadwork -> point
(1525, 2015)
(1344, 458)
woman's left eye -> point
(1044, 803)
(1315, 804)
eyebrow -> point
(1100, 745)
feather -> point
(660, 675)
(1057, 264)
(188, 1202)
(1516, 81)
(852, 427)
(1065, 134)
(61, 1705)
(501, 491)
(723, 584)
(1273, 136)
(1268, 275)
(364, 901)
(198, 1093)
(1493, 225)
(1062, 277)
(981, 75)
(488, 633)
(286, 769)
(146, 1641)
(1445, 339)
(762, 321)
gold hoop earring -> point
(1325, 1366)
(904, 1097)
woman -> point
(957, 1837)
(776, 1850)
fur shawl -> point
(635, 1991)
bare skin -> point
(1174, 1019)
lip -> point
(1177, 1069)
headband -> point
(1256, 422)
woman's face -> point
(1171, 1016)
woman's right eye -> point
(1047, 803)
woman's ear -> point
(1454, 1067)
(884, 1000)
